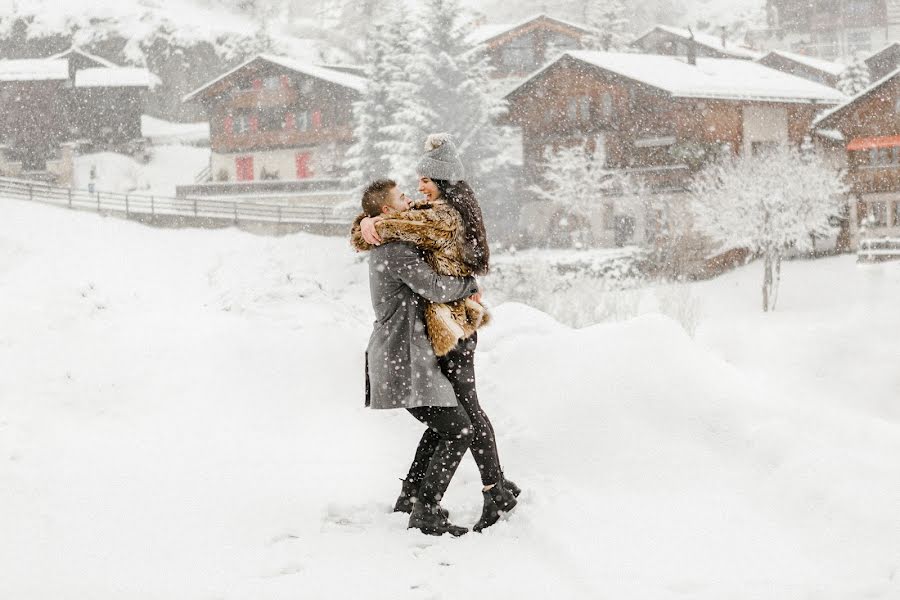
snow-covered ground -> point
(169, 166)
(181, 417)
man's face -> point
(397, 201)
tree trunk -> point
(777, 283)
(767, 279)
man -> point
(402, 370)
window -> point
(242, 123)
(878, 213)
(827, 44)
(271, 120)
(606, 105)
(859, 41)
(578, 109)
(884, 157)
(273, 82)
(896, 213)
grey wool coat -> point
(401, 368)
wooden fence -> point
(238, 211)
(876, 249)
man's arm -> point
(421, 278)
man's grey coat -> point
(401, 368)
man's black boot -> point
(408, 497)
(430, 520)
(497, 500)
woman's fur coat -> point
(438, 230)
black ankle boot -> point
(431, 519)
(497, 500)
(408, 497)
(512, 487)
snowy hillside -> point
(181, 417)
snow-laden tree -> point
(855, 78)
(574, 179)
(454, 93)
(609, 25)
(767, 203)
(387, 133)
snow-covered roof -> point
(825, 116)
(826, 66)
(712, 78)
(875, 55)
(115, 77)
(76, 50)
(829, 134)
(488, 32)
(34, 69)
(353, 82)
(703, 39)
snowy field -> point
(181, 417)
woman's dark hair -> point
(460, 196)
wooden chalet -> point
(814, 69)
(33, 100)
(523, 48)
(869, 125)
(658, 118)
(884, 62)
(674, 41)
(273, 118)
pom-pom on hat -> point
(441, 159)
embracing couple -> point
(421, 355)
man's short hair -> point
(375, 196)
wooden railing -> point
(874, 249)
(164, 206)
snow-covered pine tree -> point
(855, 77)
(454, 93)
(609, 24)
(767, 203)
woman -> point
(450, 205)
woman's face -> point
(429, 189)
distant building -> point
(884, 61)
(72, 99)
(273, 118)
(673, 41)
(658, 118)
(522, 48)
(831, 29)
(869, 131)
(808, 67)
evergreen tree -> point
(855, 78)
(609, 24)
(453, 93)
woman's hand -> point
(369, 233)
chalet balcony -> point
(882, 178)
(272, 140)
(253, 99)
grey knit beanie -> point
(441, 159)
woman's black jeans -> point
(459, 367)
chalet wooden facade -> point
(814, 69)
(53, 104)
(673, 41)
(521, 49)
(870, 127)
(658, 118)
(272, 118)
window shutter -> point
(303, 166)
(254, 124)
(257, 84)
(229, 125)
(316, 119)
(285, 82)
(290, 121)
